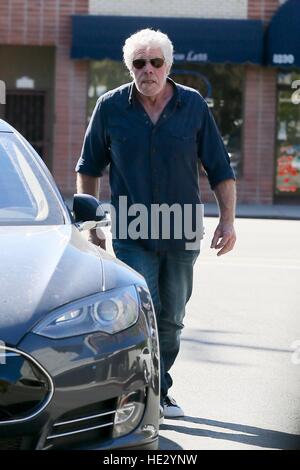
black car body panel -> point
(74, 392)
(44, 267)
(89, 374)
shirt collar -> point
(177, 92)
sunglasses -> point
(157, 63)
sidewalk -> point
(259, 211)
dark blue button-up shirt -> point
(154, 163)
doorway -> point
(26, 111)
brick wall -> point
(48, 22)
(175, 8)
(259, 135)
(262, 9)
(257, 183)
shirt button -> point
(164, 116)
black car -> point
(79, 365)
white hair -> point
(144, 38)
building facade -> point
(45, 90)
(55, 65)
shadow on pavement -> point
(233, 345)
(206, 348)
(167, 444)
(244, 434)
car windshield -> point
(26, 197)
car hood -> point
(42, 268)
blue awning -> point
(283, 36)
(195, 40)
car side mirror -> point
(88, 212)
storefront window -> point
(105, 75)
(221, 85)
(288, 134)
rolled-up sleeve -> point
(212, 152)
(95, 153)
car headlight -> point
(110, 312)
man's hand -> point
(226, 234)
(97, 237)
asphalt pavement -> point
(238, 372)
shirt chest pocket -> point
(119, 143)
(124, 145)
(184, 134)
(118, 135)
(184, 144)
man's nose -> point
(148, 67)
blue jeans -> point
(169, 276)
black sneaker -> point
(171, 409)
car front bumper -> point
(88, 375)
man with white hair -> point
(154, 133)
